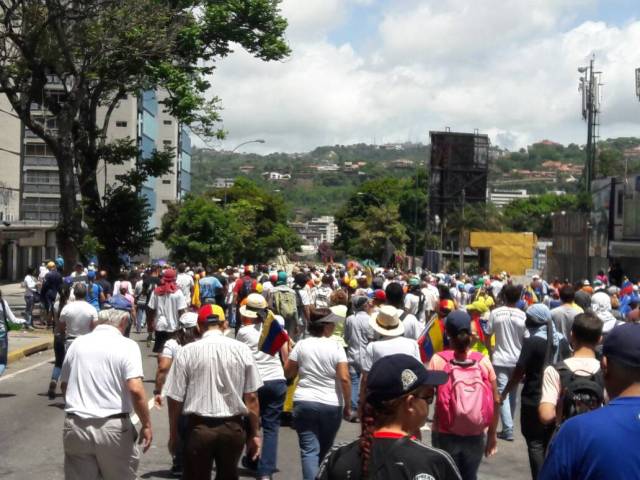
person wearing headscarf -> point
(601, 306)
(166, 305)
(543, 346)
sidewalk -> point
(23, 343)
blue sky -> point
(394, 69)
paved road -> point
(31, 430)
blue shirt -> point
(602, 444)
(208, 288)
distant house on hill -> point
(401, 163)
(276, 176)
(548, 143)
(221, 182)
(247, 168)
(332, 167)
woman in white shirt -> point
(323, 394)
(30, 285)
(187, 333)
(6, 317)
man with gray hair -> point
(77, 317)
(102, 382)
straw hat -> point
(386, 322)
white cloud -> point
(506, 67)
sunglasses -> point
(427, 397)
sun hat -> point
(386, 322)
(395, 375)
(255, 303)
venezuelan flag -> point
(433, 339)
(273, 335)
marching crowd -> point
(241, 351)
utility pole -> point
(461, 254)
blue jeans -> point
(28, 310)
(508, 408)
(466, 451)
(317, 425)
(271, 396)
(355, 387)
(4, 351)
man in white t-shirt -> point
(395, 297)
(99, 438)
(166, 305)
(586, 333)
(274, 389)
(564, 314)
(507, 323)
(78, 317)
(185, 283)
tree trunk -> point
(69, 233)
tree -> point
(325, 252)
(610, 163)
(250, 227)
(381, 224)
(99, 51)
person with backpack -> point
(398, 395)
(603, 444)
(283, 302)
(543, 346)
(415, 301)
(467, 405)
(575, 385)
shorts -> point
(161, 339)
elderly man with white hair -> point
(102, 382)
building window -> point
(166, 202)
(166, 142)
(620, 204)
(41, 177)
(166, 182)
(120, 123)
(167, 122)
(37, 150)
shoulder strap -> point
(403, 315)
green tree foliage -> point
(534, 214)
(610, 163)
(98, 52)
(381, 209)
(249, 227)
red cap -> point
(207, 313)
(380, 295)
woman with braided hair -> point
(399, 391)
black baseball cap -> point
(395, 375)
(623, 344)
(457, 321)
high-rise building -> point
(36, 188)
(10, 162)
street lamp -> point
(258, 140)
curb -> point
(36, 347)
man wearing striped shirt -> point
(214, 381)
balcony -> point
(49, 188)
(40, 161)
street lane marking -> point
(32, 367)
(134, 418)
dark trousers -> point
(537, 437)
(209, 440)
(271, 396)
(466, 451)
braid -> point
(366, 437)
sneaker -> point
(508, 436)
(51, 393)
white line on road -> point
(32, 367)
(134, 417)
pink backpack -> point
(465, 403)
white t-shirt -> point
(78, 318)
(389, 346)
(96, 369)
(508, 324)
(318, 359)
(269, 366)
(170, 349)
(185, 284)
(167, 308)
(412, 327)
(551, 379)
(432, 298)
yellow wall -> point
(510, 252)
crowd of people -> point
(244, 350)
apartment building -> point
(35, 181)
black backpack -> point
(245, 289)
(578, 393)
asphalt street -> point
(31, 430)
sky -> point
(381, 71)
